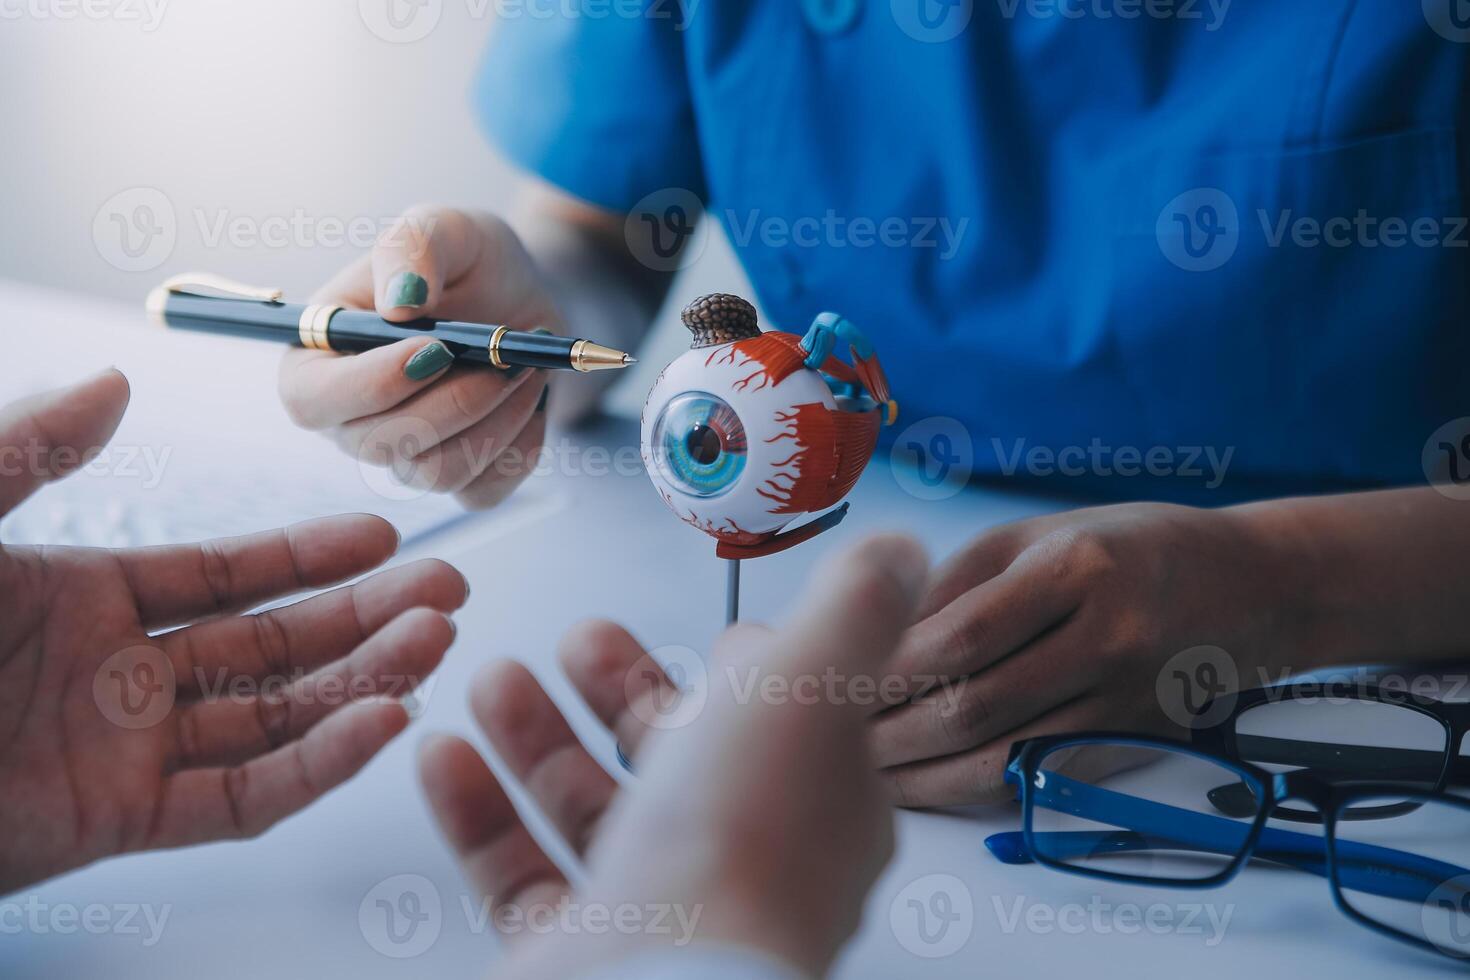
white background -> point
(250, 110)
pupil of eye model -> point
(703, 444)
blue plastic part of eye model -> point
(822, 337)
(700, 444)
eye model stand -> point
(734, 554)
(732, 591)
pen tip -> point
(587, 356)
(629, 359)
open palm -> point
(115, 737)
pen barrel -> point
(356, 331)
(536, 350)
(232, 317)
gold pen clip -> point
(206, 283)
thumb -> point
(416, 260)
(856, 607)
(45, 437)
(849, 619)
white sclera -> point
(759, 407)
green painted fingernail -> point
(407, 289)
(428, 362)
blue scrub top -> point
(1063, 223)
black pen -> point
(248, 311)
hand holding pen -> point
(472, 432)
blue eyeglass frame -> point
(1316, 854)
(1453, 718)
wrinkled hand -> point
(108, 742)
(471, 432)
(722, 826)
(1063, 623)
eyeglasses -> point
(1090, 807)
(1338, 732)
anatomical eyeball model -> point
(749, 431)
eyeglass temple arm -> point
(1363, 867)
(1365, 762)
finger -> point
(977, 776)
(987, 557)
(215, 804)
(856, 608)
(977, 562)
(422, 253)
(460, 460)
(290, 640)
(459, 425)
(955, 715)
(393, 662)
(321, 389)
(437, 262)
(496, 852)
(531, 735)
(456, 265)
(619, 681)
(989, 622)
(352, 287)
(45, 437)
(509, 470)
(177, 583)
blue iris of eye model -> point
(700, 444)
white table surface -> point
(287, 905)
